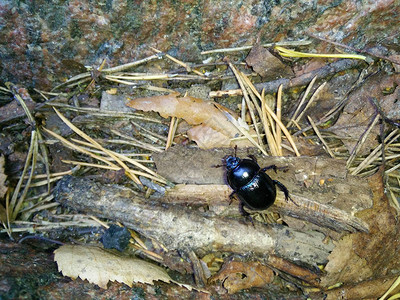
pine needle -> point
(98, 146)
(291, 53)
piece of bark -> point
(185, 229)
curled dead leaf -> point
(236, 276)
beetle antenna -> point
(235, 151)
(218, 166)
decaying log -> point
(186, 229)
(323, 191)
(301, 208)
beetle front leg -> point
(269, 168)
(253, 158)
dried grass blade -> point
(393, 197)
(140, 77)
(374, 154)
(45, 182)
(120, 81)
(361, 142)
(96, 144)
(249, 103)
(243, 131)
(285, 131)
(179, 62)
(278, 122)
(314, 95)
(137, 143)
(85, 164)
(128, 159)
(43, 151)
(279, 116)
(303, 99)
(16, 205)
(320, 137)
(39, 135)
(171, 132)
(266, 123)
(78, 148)
(131, 64)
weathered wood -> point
(326, 195)
(185, 229)
(302, 208)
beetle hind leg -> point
(284, 190)
(231, 195)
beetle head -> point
(232, 162)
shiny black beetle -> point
(254, 188)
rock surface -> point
(41, 40)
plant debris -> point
(235, 276)
(142, 150)
(215, 130)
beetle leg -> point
(245, 213)
(253, 158)
(231, 197)
(285, 191)
(217, 166)
(269, 167)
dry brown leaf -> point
(3, 177)
(208, 138)
(268, 66)
(360, 256)
(195, 111)
(237, 276)
(358, 114)
(99, 266)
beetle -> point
(254, 188)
